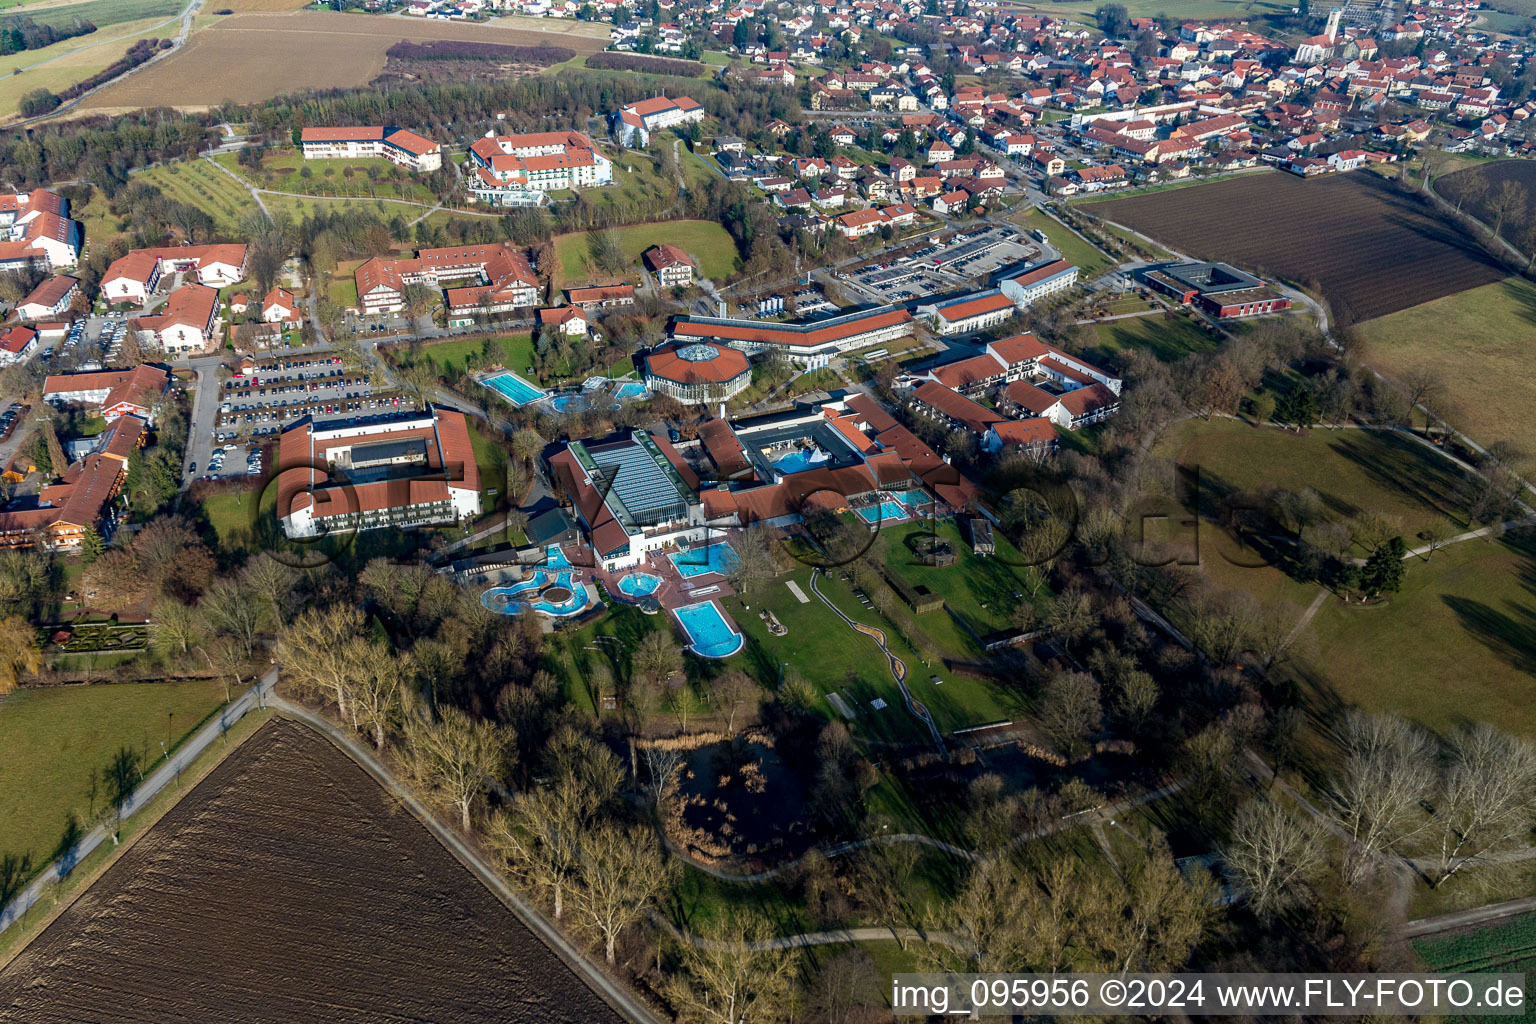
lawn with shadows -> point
(1457, 644)
(978, 590)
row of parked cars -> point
(252, 460)
(9, 419)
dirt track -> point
(286, 887)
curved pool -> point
(710, 634)
(505, 600)
(638, 584)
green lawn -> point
(1091, 261)
(229, 516)
(1457, 644)
(203, 186)
(283, 171)
(491, 459)
(977, 589)
(1478, 343)
(1170, 338)
(470, 354)
(705, 241)
(831, 657)
(51, 738)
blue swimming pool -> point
(709, 635)
(885, 512)
(629, 391)
(799, 461)
(717, 557)
(513, 388)
(568, 403)
(504, 599)
(554, 558)
(638, 584)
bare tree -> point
(539, 838)
(313, 652)
(728, 977)
(1070, 710)
(656, 656)
(1485, 801)
(229, 611)
(177, 628)
(733, 693)
(1387, 774)
(1435, 536)
(272, 583)
(623, 873)
(1271, 853)
(754, 559)
(373, 686)
(1508, 203)
(458, 756)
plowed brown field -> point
(1369, 250)
(287, 887)
(252, 57)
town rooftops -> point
(140, 386)
(50, 292)
(662, 255)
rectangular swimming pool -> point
(885, 512)
(716, 557)
(513, 388)
(709, 634)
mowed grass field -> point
(1091, 261)
(1170, 338)
(252, 57)
(282, 171)
(51, 738)
(1457, 644)
(204, 186)
(1479, 344)
(72, 60)
(1366, 248)
(713, 251)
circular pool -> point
(638, 584)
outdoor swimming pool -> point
(513, 388)
(885, 512)
(893, 507)
(568, 403)
(554, 558)
(638, 584)
(502, 599)
(629, 391)
(799, 461)
(709, 635)
(717, 557)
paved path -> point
(897, 666)
(1467, 918)
(165, 775)
(837, 937)
(617, 995)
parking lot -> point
(277, 392)
(962, 262)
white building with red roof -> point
(133, 278)
(497, 278)
(670, 264)
(51, 297)
(697, 372)
(36, 231)
(634, 122)
(414, 470)
(280, 307)
(116, 393)
(517, 170)
(186, 323)
(396, 145)
(17, 344)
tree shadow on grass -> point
(1398, 464)
(1510, 631)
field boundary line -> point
(1488, 914)
(200, 769)
(610, 990)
